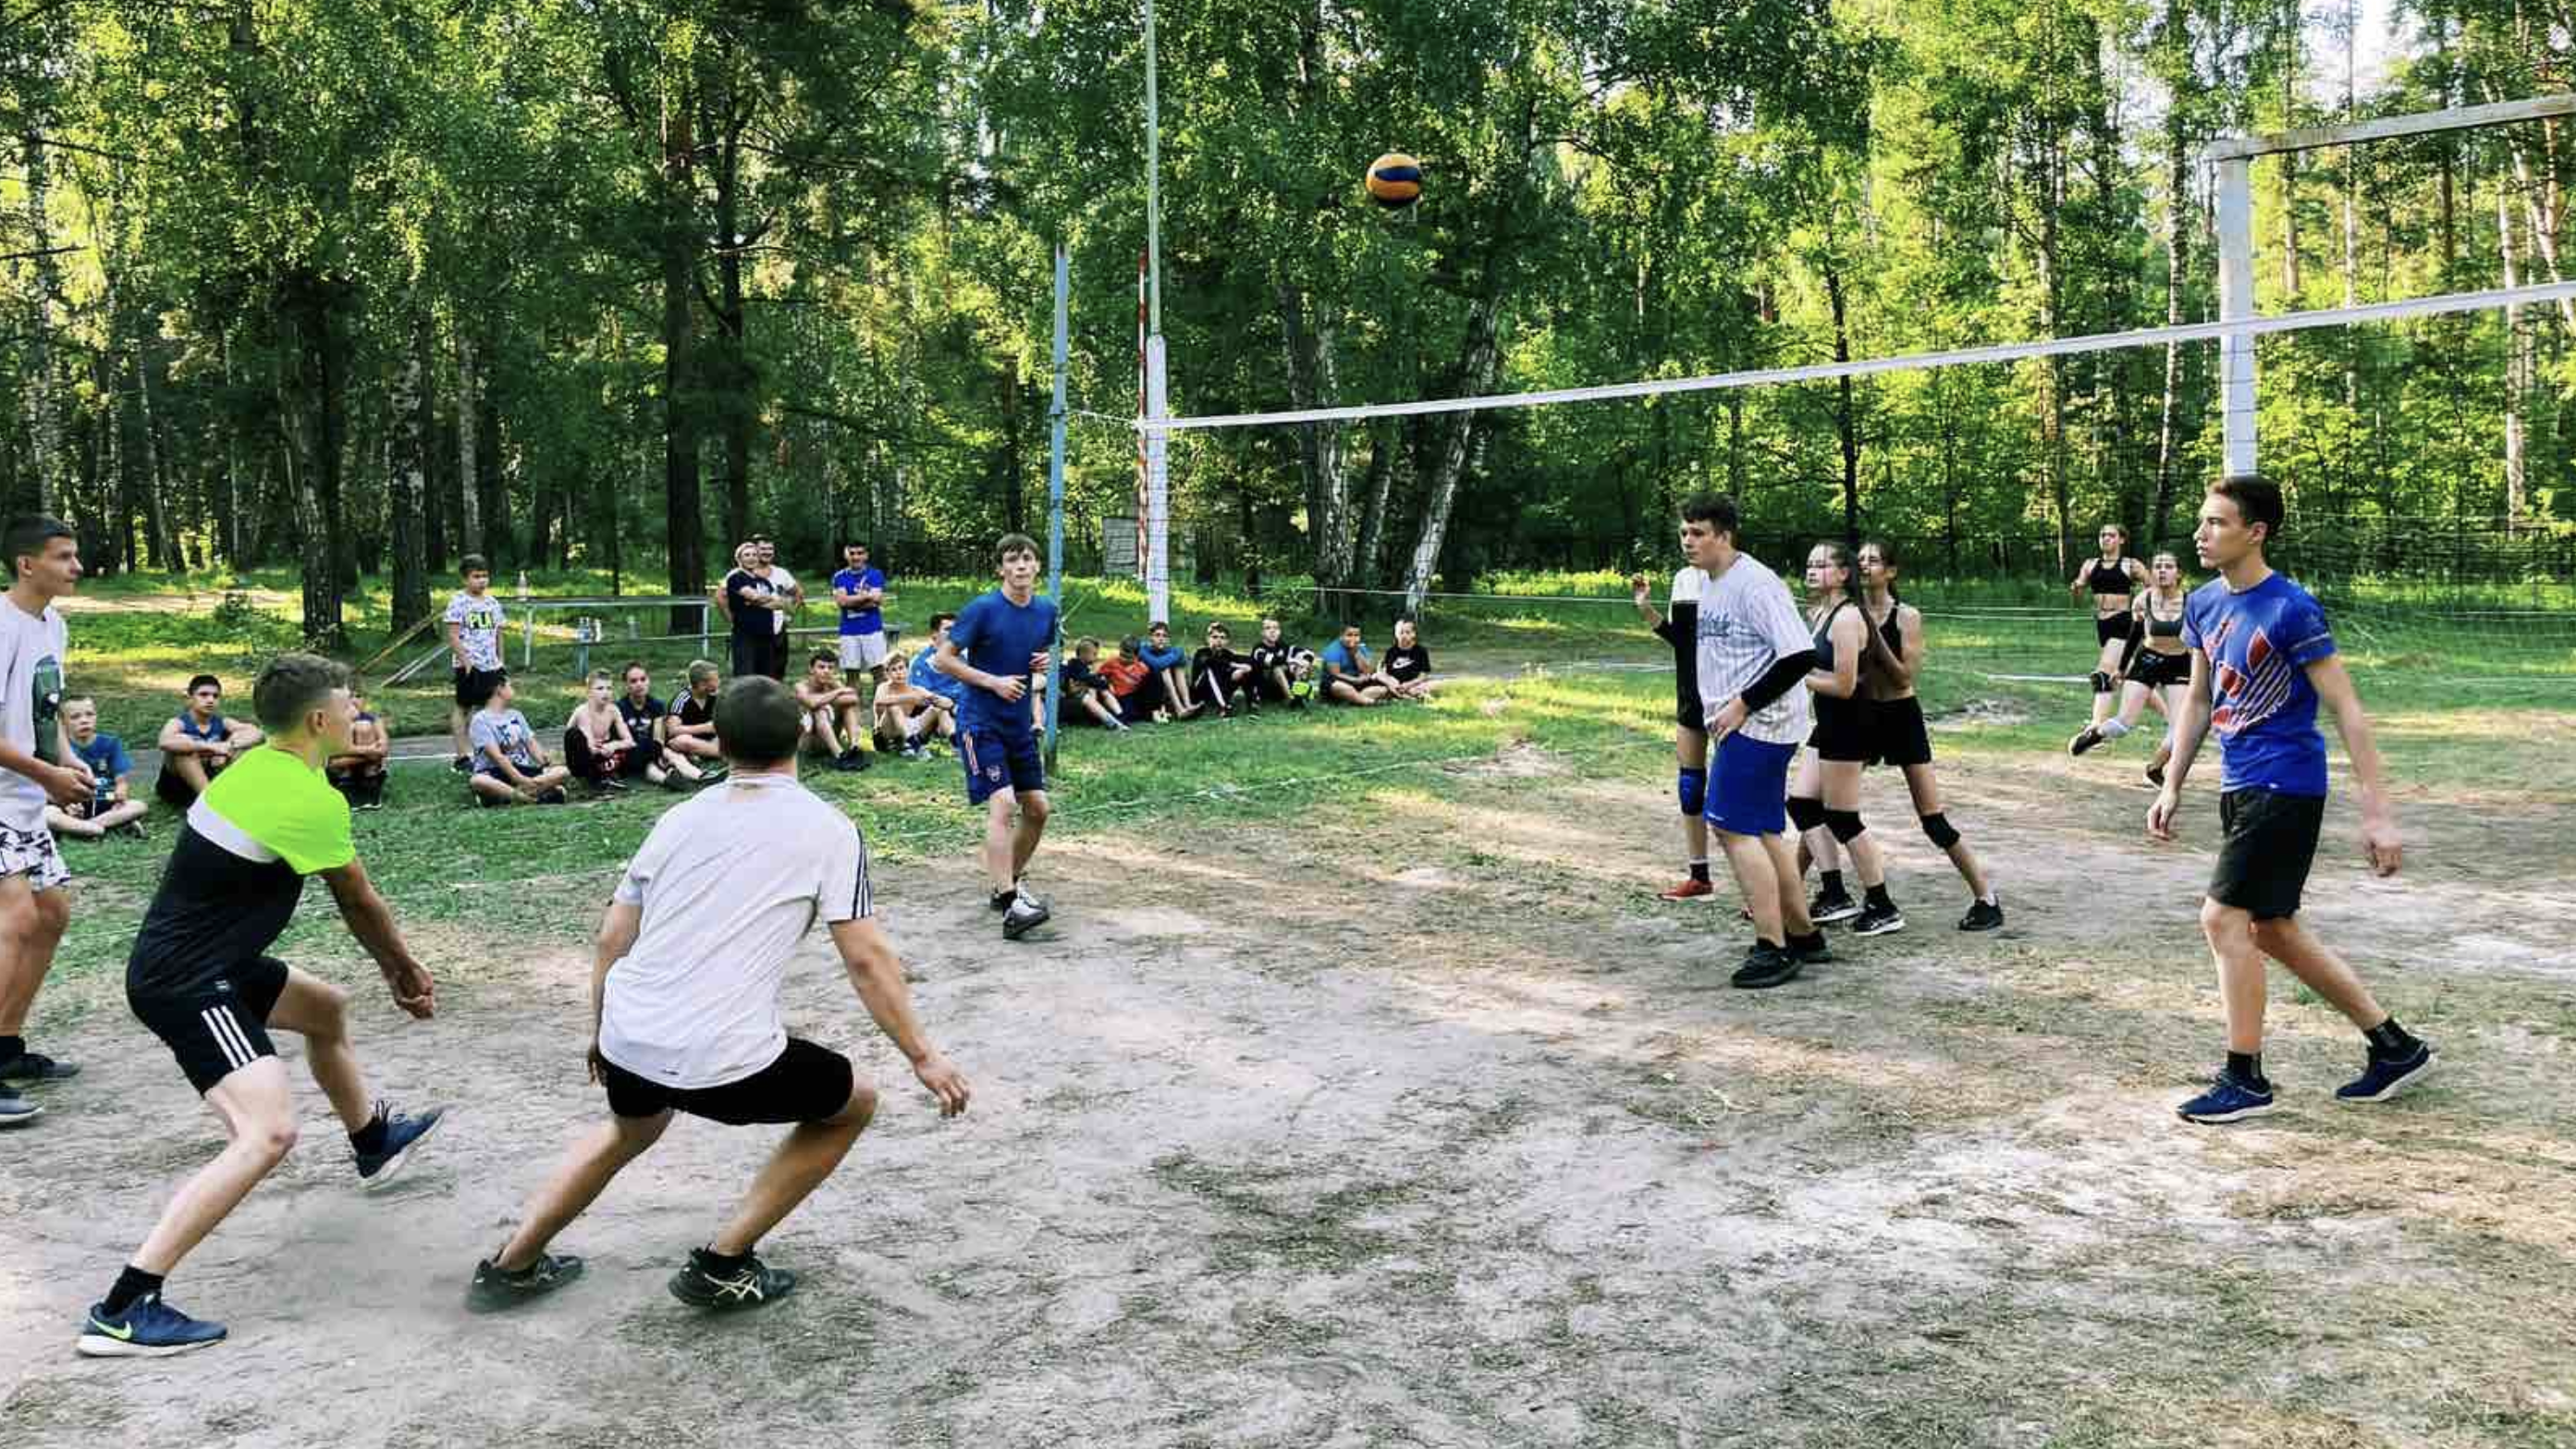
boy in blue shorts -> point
(995, 645)
(2261, 660)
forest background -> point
(357, 286)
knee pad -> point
(1691, 787)
(2101, 682)
(1845, 824)
(1937, 829)
(1805, 813)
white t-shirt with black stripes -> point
(1747, 623)
(730, 882)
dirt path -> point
(1442, 1132)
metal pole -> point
(1055, 511)
(1153, 185)
(1158, 486)
(2236, 393)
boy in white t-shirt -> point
(474, 622)
(685, 1009)
(37, 768)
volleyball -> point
(1395, 179)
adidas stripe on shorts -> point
(217, 1032)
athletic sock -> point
(2391, 1042)
(718, 1265)
(12, 1048)
(1832, 880)
(2247, 1067)
(1807, 942)
(132, 1286)
(1002, 899)
(2111, 729)
(1877, 897)
(370, 1138)
(1699, 870)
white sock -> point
(2111, 729)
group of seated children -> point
(1151, 679)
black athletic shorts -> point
(1842, 729)
(2268, 841)
(2114, 629)
(806, 1084)
(2156, 671)
(1896, 733)
(474, 686)
(220, 1030)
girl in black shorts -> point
(1824, 800)
(1897, 735)
(2159, 673)
(2112, 579)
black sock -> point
(1807, 942)
(1004, 898)
(1699, 870)
(2391, 1042)
(370, 1138)
(1832, 880)
(2247, 1067)
(12, 1048)
(131, 1285)
(1877, 896)
(717, 1265)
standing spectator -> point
(750, 608)
(789, 596)
(1087, 694)
(1407, 667)
(37, 768)
(109, 807)
(474, 622)
(509, 765)
(199, 743)
(911, 716)
(691, 730)
(831, 712)
(859, 589)
(358, 772)
(1171, 670)
(1350, 674)
(1222, 678)
(1274, 665)
(648, 723)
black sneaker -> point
(1810, 949)
(713, 774)
(462, 764)
(2156, 776)
(753, 1285)
(36, 1067)
(496, 1290)
(1982, 916)
(1832, 907)
(1765, 966)
(556, 796)
(2085, 739)
(1026, 914)
(1877, 921)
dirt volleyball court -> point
(1429, 1126)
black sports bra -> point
(1825, 634)
(2161, 628)
(2110, 578)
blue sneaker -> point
(15, 1109)
(2383, 1078)
(148, 1328)
(2227, 1100)
(402, 1133)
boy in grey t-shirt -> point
(37, 767)
(509, 765)
(474, 621)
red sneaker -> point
(1690, 890)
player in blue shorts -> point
(998, 641)
(2261, 660)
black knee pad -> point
(1845, 824)
(1936, 828)
(2101, 682)
(1806, 814)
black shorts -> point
(474, 686)
(2113, 630)
(2268, 840)
(173, 788)
(1842, 729)
(220, 1030)
(1897, 735)
(2157, 671)
(806, 1084)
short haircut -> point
(701, 669)
(941, 621)
(600, 676)
(1162, 624)
(1409, 622)
(850, 543)
(1086, 645)
(2257, 500)
(80, 699)
(1012, 545)
(822, 656)
(29, 535)
(202, 680)
(293, 686)
(758, 722)
(1717, 510)
(1269, 619)
(473, 563)
(630, 666)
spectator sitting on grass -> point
(831, 711)
(359, 773)
(599, 749)
(1171, 669)
(1350, 674)
(109, 806)
(198, 744)
(691, 731)
(1221, 677)
(1087, 694)
(909, 716)
(1274, 668)
(648, 723)
(510, 767)
(1407, 667)
(1139, 690)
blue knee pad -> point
(1691, 787)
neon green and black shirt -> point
(238, 871)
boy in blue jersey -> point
(995, 645)
(2261, 660)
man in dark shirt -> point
(751, 611)
(997, 643)
(1273, 670)
(1407, 665)
(1221, 677)
(690, 730)
(200, 977)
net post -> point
(2236, 302)
(1055, 512)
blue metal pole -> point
(1055, 509)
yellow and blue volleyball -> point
(1394, 179)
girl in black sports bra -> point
(1824, 800)
(2159, 673)
(2113, 580)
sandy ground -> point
(1441, 1131)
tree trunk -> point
(684, 530)
(2052, 420)
(1386, 456)
(469, 406)
(1846, 423)
(2178, 159)
(1309, 344)
(2519, 374)
(733, 371)
(1476, 369)
(310, 409)
(407, 484)
(2291, 37)
(44, 408)
(491, 478)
